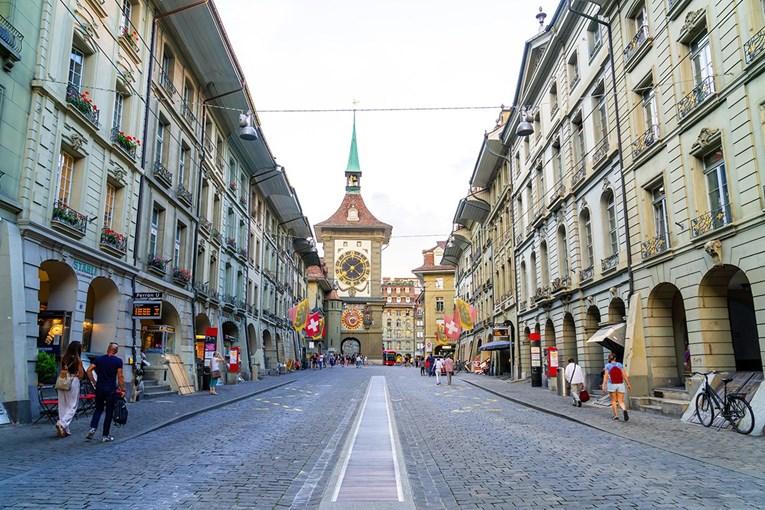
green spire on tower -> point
(353, 155)
(353, 170)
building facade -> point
(123, 200)
(399, 314)
(437, 282)
(352, 239)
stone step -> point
(665, 406)
(158, 394)
(676, 393)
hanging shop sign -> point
(147, 309)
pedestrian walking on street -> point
(438, 366)
(109, 383)
(216, 363)
(614, 380)
(71, 370)
(449, 367)
(574, 375)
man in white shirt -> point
(574, 375)
(439, 366)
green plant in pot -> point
(46, 368)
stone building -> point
(437, 282)
(136, 186)
(352, 239)
(399, 314)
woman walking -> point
(68, 399)
(216, 363)
(614, 379)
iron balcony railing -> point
(695, 97)
(65, 216)
(586, 274)
(609, 263)
(649, 137)
(184, 195)
(601, 151)
(162, 174)
(753, 47)
(121, 141)
(581, 173)
(710, 220)
(188, 113)
(654, 246)
(560, 284)
(205, 224)
(157, 264)
(113, 241)
(83, 104)
(10, 40)
(637, 42)
(167, 83)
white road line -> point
(347, 459)
(394, 451)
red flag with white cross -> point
(313, 325)
(452, 326)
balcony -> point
(219, 162)
(10, 43)
(129, 38)
(754, 47)
(231, 243)
(586, 274)
(216, 236)
(83, 104)
(202, 289)
(696, 97)
(646, 140)
(554, 109)
(542, 294)
(125, 143)
(157, 265)
(162, 174)
(69, 220)
(188, 113)
(184, 195)
(574, 81)
(609, 263)
(522, 306)
(600, 152)
(243, 201)
(637, 43)
(229, 301)
(654, 246)
(113, 242)
(242, 253)
(166, 82)
(560, 284)
(580, 174)
(710, 220)
(209, 147)
(205, 225)
(181, 276)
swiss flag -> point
(452, 326)
(313, 325)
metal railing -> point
(167, 83)
(649, 137)
(83, 104)
(695, 97)
(710, 220)
(162, 174)
(609, 263)
(113, 240)
(754, 46)
(637, 42)
(653, 247)
(601, 151)
(184, 195)
(120, 140)
(581, 173)
(560, 284)
(68, 217)
(188, 113)
(586, 274)
(11, 37)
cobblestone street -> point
(462, 447)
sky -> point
(326, 54)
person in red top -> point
(449, 368)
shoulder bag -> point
(63, 381)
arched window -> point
(545, 264)
(585, 224)
(563, 266)
(612, 234)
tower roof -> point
(353, 154)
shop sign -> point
(147, 296)
(500, 333)
(84, 267)
(536, 356)
(311, 345)
(147, 309)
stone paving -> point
(463, 448)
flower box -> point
(127, 143)
(181, 276)
(113, 241)
(157, 264)
(83, 103)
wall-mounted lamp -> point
(525, 128)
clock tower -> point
(353, 239)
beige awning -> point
(611, 337)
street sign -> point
(147, 296)
(147, 309)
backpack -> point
(615, 375)
(120, 411)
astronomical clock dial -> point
(352, 268)
(352, 318)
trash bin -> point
(205, 376)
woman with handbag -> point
(68, 386)
(215, 365)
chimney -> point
(541, 16)
(429, 258)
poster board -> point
(179, 374)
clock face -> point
(352, 268)
(352, 318)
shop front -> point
(159, 329)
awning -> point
(471, 210)
(611, 337)
(496, 346)
(488, 158)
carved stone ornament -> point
(714, 250)
(118, 173)
(559, 217)
(76, 140)
(606, 183)
(692, 21)
(707, 140)
(581, 206)
(614, 291)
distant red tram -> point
(389, 358)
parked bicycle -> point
(732, 406)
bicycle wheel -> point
(741, 415)
(705, 410)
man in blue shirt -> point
(109, 383)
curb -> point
(191, 414)
(611, 432)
